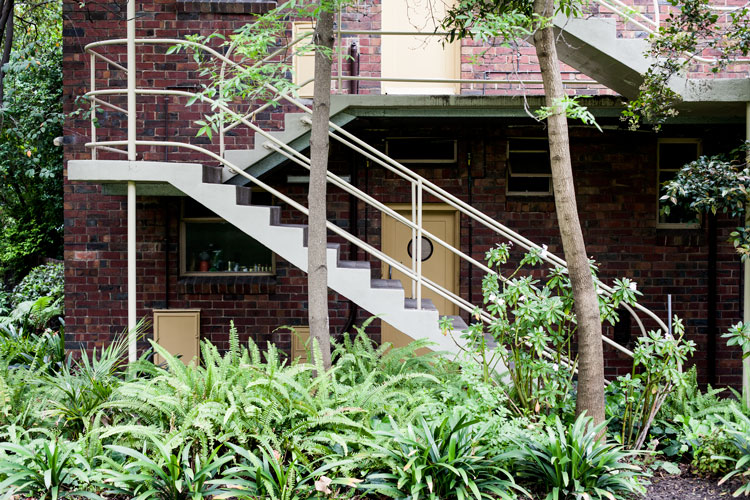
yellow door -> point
(438, 264)
(303, 61)
(417, 56)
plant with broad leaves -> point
(44, 469)
(444, 458)
(715, 184)
(739, 335)
(167, 474)
(657, 370)
(577, 462)
(533, 323)
(269, 475)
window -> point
(529, 171)
(671, 156)
(422, 149)
(211, 246)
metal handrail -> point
(419, 184)
(414, 276)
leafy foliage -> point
(690, 29)
(47, 280)
(657, 362)
(739, 431)
(577, 463)
(713, 184)
(534, 325)
(31, 167)
(43, 469)
(443, 458)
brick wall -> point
(615, 175)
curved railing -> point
(419, 185)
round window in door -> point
(427, 248)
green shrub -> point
(533, 323)
(47, 280)
(739, 430)
(439, 459)
(172, 474)
(575, 462)
(269, 476)
(44, 469)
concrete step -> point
(459, 325)
(427, 304)
(386, 284)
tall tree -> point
(509, 19)
(317, 268)
(590, 396)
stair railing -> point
(419, 185)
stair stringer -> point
(591, 46)
(287, 241)
(260, 159)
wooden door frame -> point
(429, 207)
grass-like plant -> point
(576, 462)
(268, 475)
(439, 459)
(739, 430)
(167, 474)
(43, 470)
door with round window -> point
(438, 264)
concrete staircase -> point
(352, 279)
(261, 159)
(591, 46)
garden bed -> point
(687, 486)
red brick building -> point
(460, 133)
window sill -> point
(235, 284)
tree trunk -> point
(7, 46)
(317, 269)
(589, 334)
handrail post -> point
(413, 237)
(132, 353)
(418, 250)
(92, 117)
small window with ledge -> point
(529, 171)
(671, 155)
(211, 246)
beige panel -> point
(417, 56)
(178, 331)
(441, 267)
(299, 350)
(303, 63)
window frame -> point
(183, 253)
(508, 172)
(452, 159)
(699, 151)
